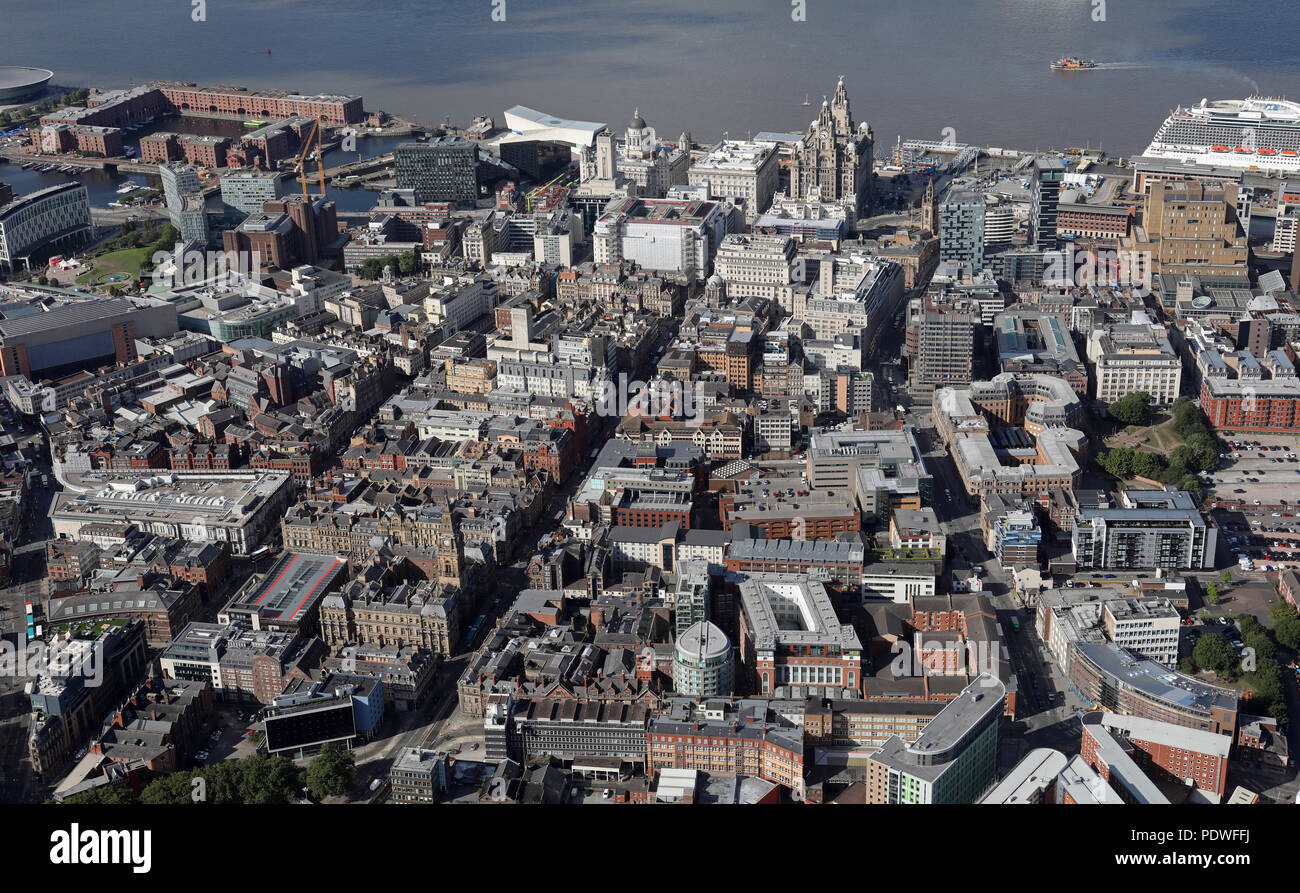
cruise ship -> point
(1259, 133)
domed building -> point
(653, 166)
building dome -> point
(637, 122)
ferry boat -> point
(1073, 63)
(1259, 131)
(128, 186)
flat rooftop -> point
(290, 587)
(1156, 680)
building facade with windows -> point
(1150, 529)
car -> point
(473, 745)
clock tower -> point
(449, 549)
(834, 155)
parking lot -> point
(225, 735)
(1270, 538)
(1260, 472)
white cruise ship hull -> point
(1256, 133)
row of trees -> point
(159, 237)
(256, 779)
(404, 264)
(45, 106)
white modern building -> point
(673, 236)
(43, 218)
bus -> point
(473, 630)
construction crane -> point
(299, 165)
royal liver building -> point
(834, 155)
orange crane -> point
(320, 159)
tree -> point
(1287, 632)
(104, 795)
(406, 263)
(1132, 409)
(1118, 462)
(1227, 576)
(162, 238)
(268, 780)
(1212, 592)
(1148, 465)
(1205, 450)
(223, 780)
(331, 772)
(170, 790)
(1212, 652)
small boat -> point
(128, 186)
(1267, 151)
(1073, 63)
(1242, 150)
(1219, 149)
(1289, 153)
(806, 100)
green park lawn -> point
(128, 261)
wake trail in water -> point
(1216, 70)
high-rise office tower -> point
(961, 218)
